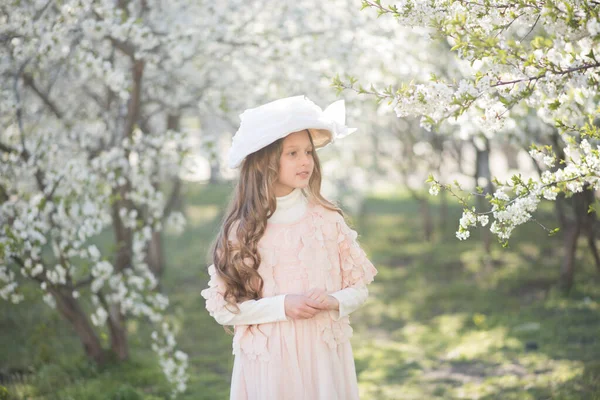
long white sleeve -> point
(350, 300)
(262, 311)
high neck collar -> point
(289, 207)
(287, 201)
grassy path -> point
(440, 323)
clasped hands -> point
(308, 304)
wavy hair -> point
(235, 251)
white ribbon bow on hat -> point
(336, 111)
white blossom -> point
(528, 89)
(99, 317)
(434, 190)
(49, 300)
(483, 219)
(463, 235)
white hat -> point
(265, 124)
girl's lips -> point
(304, 175)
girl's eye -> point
(293, 153)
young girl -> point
(287, 270)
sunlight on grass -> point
(459, 327)
(476, 344)
(199, 214)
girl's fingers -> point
(320, 305)
(316, 299)
(309, 313)
(312, 303)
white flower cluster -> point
(175, 222)
(49, 300)
(173, 362)
(8, 291)
(515, 213)
(99, 316)
(434, 189)
(501, 79)
(469, 219)
(432, 100)
(57, 276)
(582, 168)
(546, 159)
(101, 272)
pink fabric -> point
(299, 359)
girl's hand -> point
(299, 306)
(326, 301)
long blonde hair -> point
(235, 252)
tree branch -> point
(536, 78)
(84, 282)
(43, 96)
(7, 149)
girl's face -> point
(296, 163)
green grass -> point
(443, 321)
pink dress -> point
(306, 359)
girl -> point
(287, 270)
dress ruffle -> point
(252, 340)
(214, 293)
(347, 265)
(357, 270)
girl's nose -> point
(306, 159)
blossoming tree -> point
(540, 56)
(90, 139)
(86, 145)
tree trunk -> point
(118, 332)
(443, 217)
(123, 260)
(482, 170)
(511, 154)
(70, 309)
(155, 255)
(425, 210)
(123, 235)
(215, 171)
(215, 163)
(582, 222)
(594, 248)
(361, 217)
(568, 266)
